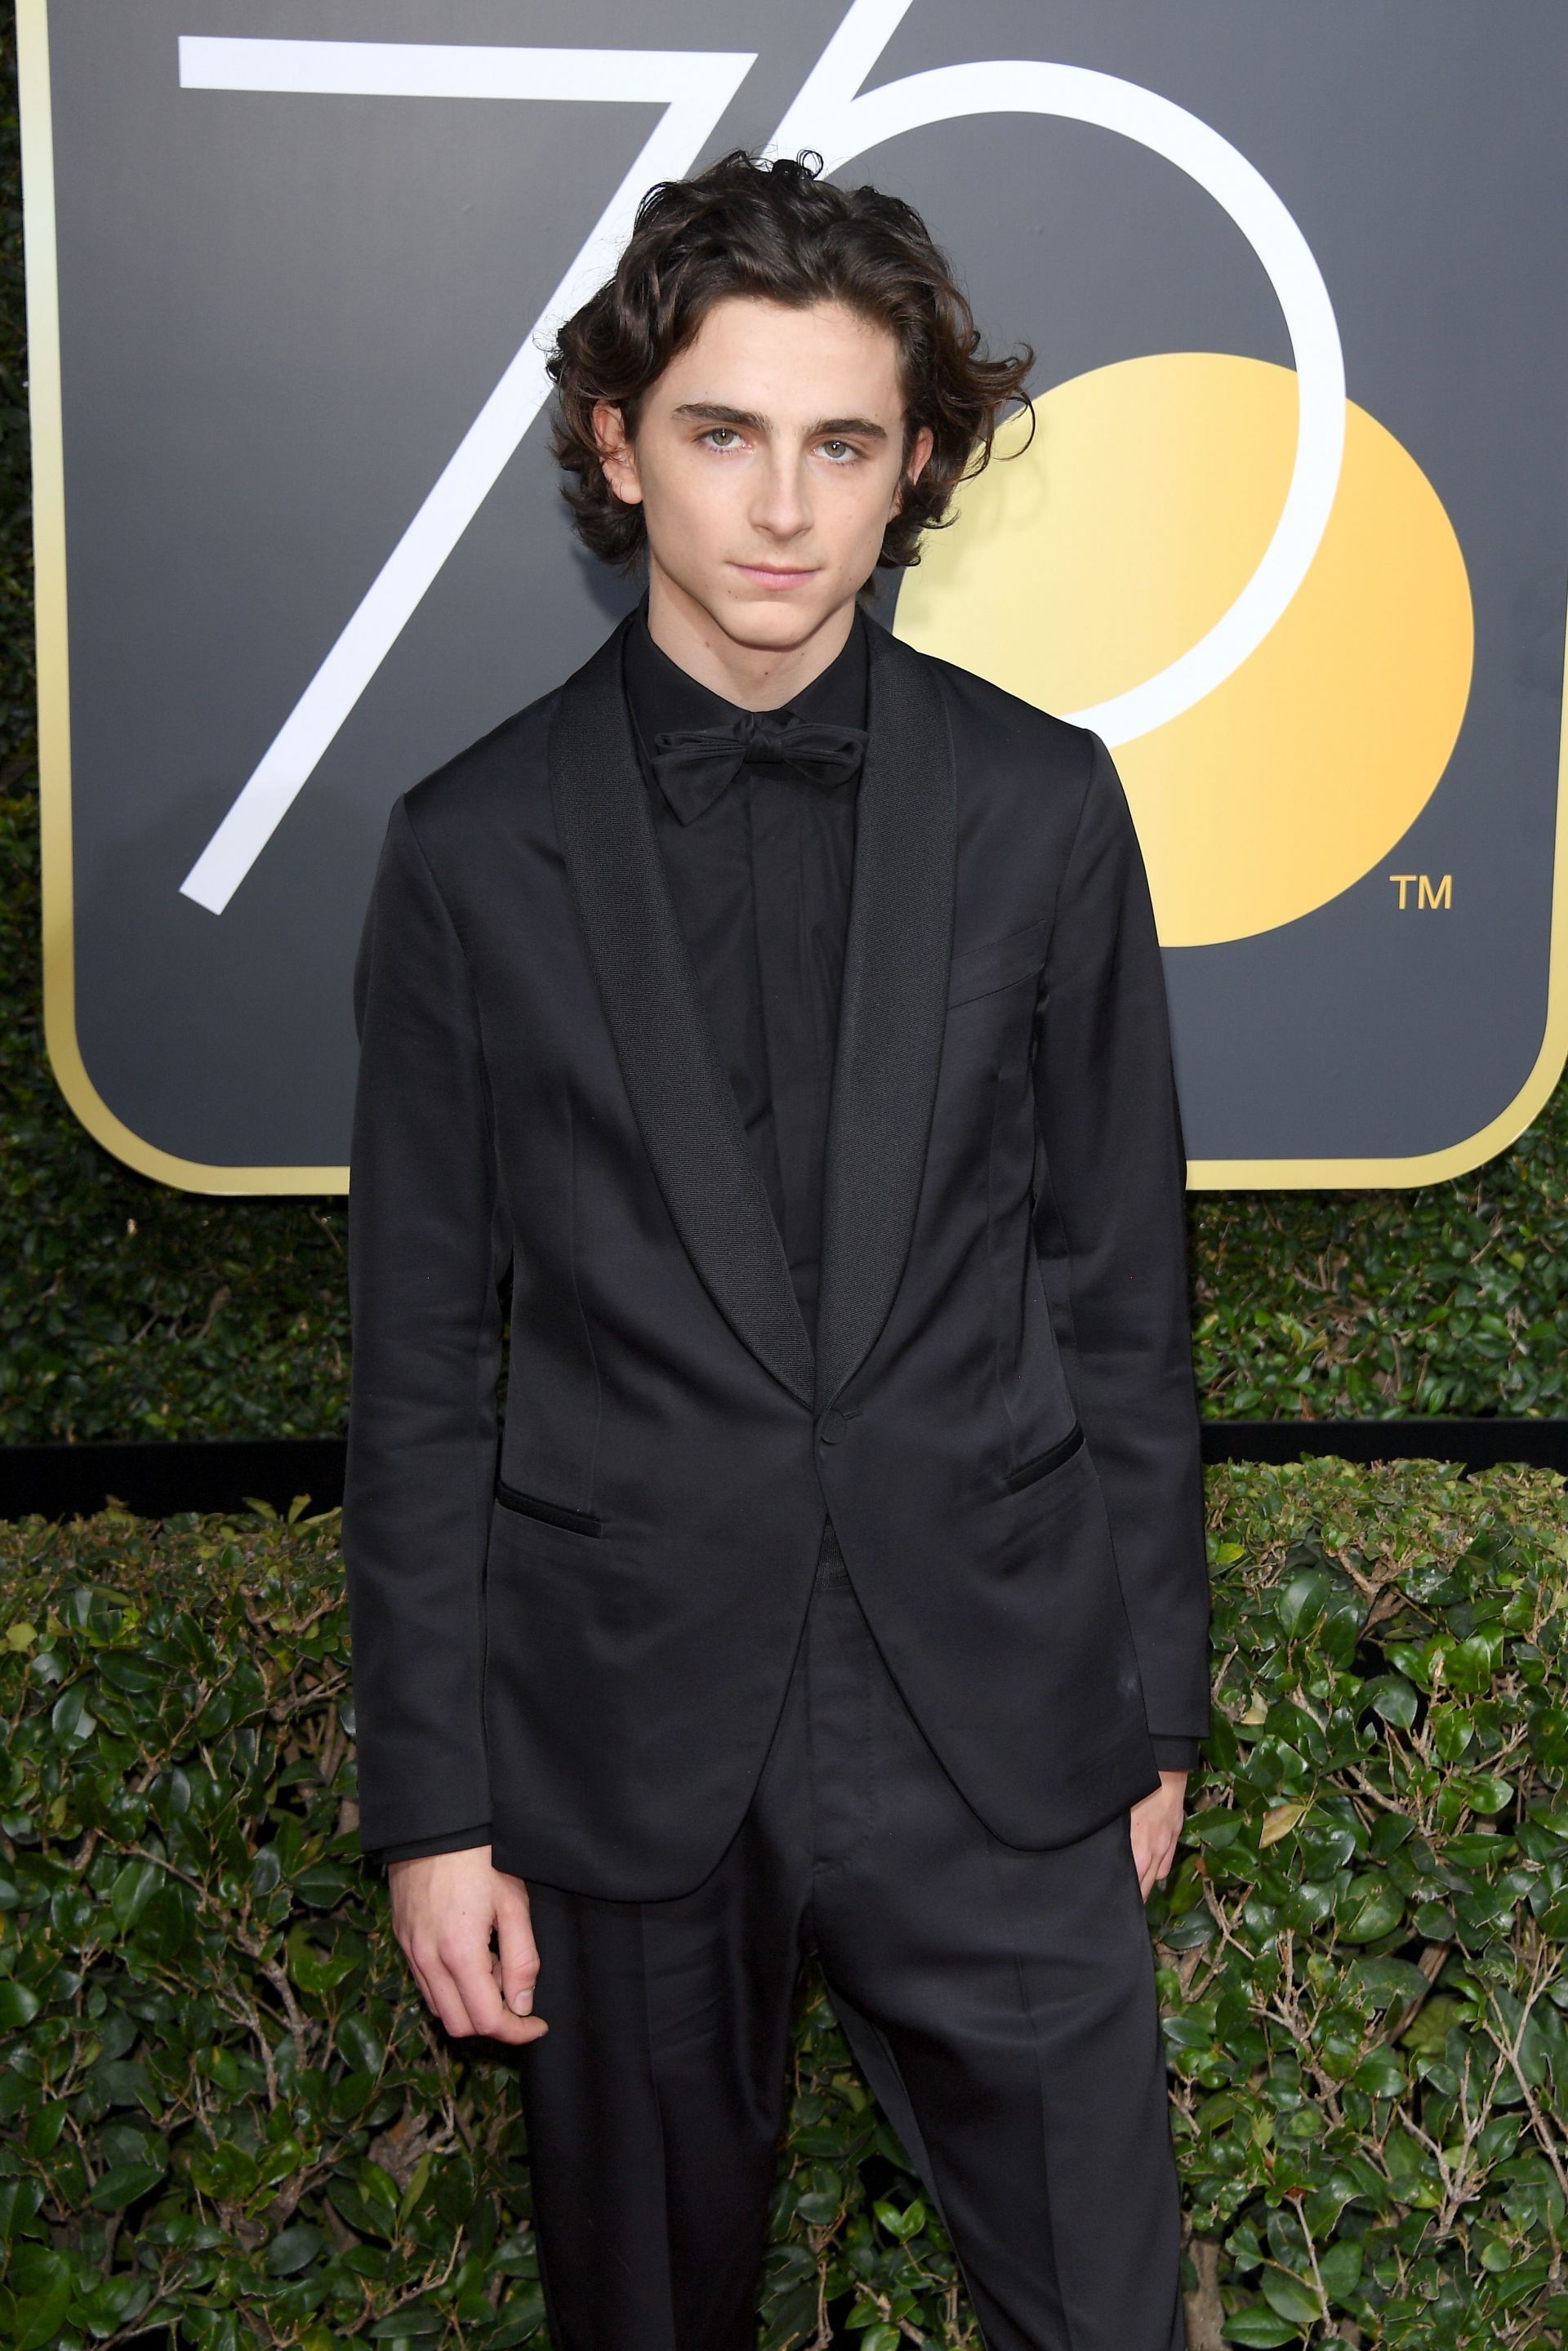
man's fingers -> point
(443, 1908)
(1154, 1856)
(436, 1970)
(420, 1973)
(1156, 1866)
(445, 1997)
(519, 1961)
(481, 1997)
(1155, 1829)
(1143, 1862)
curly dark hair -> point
(779, 230)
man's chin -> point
(775, 619)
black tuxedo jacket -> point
(578, 1625)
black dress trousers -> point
(1001, 2003)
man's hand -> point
(443, 1908)
(1155, 1822)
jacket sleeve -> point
(1111, 1233)
(427, 1254)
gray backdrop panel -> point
(279, 314)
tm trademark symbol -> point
(1428, 893)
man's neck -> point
(754, 677)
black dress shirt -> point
(760, 882)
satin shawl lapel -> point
(680, 1092)
(894, 1007)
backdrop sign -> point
(1293, 534)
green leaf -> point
(360, 2043)
(279, 2160)
(38, 2315)
(109, 2304)
(1388, 1982)
(1470, 1662)
(1258, 2326)
(1290, 2298)
(43, 2130)
(19, 2203)
(1393, 1698)
(70, 1719)
(293, 2248)
(314, 1970)
(418, 2180)
(1380, 2073)
(1217, 1826)
(323, 1885)
(378, 2186)
(1452, 1732)
(350, 2094)
(1486, 1794)
(123, 2184)
(1303, 1600)
(522, 2316)
(1340, 2267)
(18, 2005)
(124, 1670)
(131, 1891)
(225, 2172)
(1371, 1907)
(366, 2219)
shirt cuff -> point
(454, 1841)
(1175, 1754)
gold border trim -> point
(55, 797)
(53, 657)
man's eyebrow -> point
(713, 412)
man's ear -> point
(920, 449)
(617, 454)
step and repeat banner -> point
(1293, 533)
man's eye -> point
(711, 435)
(846, 450)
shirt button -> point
(834, 1428)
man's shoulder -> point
(485, 776)
(987, 721)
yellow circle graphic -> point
(1098, 554)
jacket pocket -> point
(1040, 1465)
(554, 1514)
(993, 963)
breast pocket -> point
(993, 963)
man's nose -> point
(781, 508)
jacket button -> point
(834, 1428)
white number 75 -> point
(834, 114)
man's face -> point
(768, 461)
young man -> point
(778, 1014)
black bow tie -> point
(694, 764)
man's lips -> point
(770, 575)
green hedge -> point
(225, 2116)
